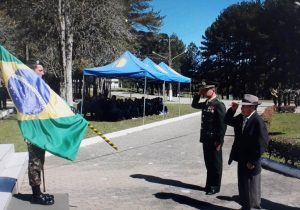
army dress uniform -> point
(212, 133)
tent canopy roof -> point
(174, 75)
(127, 65)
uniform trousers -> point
(249, 188)
(35, 164)
(214, 166)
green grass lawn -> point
(10, 133)
(286, 125)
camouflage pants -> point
(35, 164)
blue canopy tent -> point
(165, 76)
(162, 73)
(169, 75)
(175, 75)
(127, 65)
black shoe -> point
(43, 199)
(212, 190)
(48, 196)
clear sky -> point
(189, 18)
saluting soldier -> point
(274, 94)
(280, 96)
(212, 134)
(285, 97)
(297, 97)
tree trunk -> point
(62, 37)
(66, 45)
(68, 70)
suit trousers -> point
(249, 188)
(214, 166)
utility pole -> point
(170, 65)
(170, 60)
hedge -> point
(281, 147)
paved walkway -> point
(157, 168)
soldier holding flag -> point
(36, 163)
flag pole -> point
(145, 89)
(81, 107)
(164, 100)
(44, 184)
(103, 137)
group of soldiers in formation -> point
(284, 97)
(101, 108)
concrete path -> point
(157, 168)
(22, 201)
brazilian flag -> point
(44, 118)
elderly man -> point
(212, 134)
(251, 139)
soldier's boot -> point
(40, 198)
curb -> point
(280, 168)
(4, 113)
(98, 139)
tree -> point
(190, 61)
(7, 31)
(72, 34)
(90, 32)
(253, 46)
(141, 15)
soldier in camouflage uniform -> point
(36, 163)
(212, 134)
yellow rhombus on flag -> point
(44, 118)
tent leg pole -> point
(82, 95)
(144, 111)
(164, 100)
(191, 92)
(179, 97)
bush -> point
(287, 149)
(286, 109)
(267, 116)
(282, 147)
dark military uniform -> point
(274, 94)
(297, 97)
(212, 133)
(3, 97)
(280, 97)
(285, 97)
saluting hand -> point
(218, 146)
(200, 93)
(234, 106)
(250, 166)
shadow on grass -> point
(189, 201)
(171, 182)
(275, 133)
